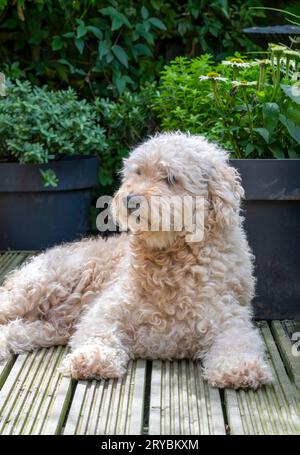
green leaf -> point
(144, 12)
(293, 113)
(57, 43)
(95, 31)
(291, 127)
(142, 49)
(292, 91)
(49, 178)
(264, 133)
(293, 153)
(120, 84)
(147, 36)
(117, 23)
(260, 150)
(120, 54)
(277, 151)
(61, 71)
(270, 113)
(68, 64)
(157, 23)
(103, 49)
(69, 35)
(249, 149)
(223, 4)
(81, 31)
(79, 43)
(214, 30)
(118, 19)
(109, 57)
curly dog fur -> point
(148, 294)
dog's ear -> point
(224, 193)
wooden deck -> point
(154, 398)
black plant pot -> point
(272, 34)
(35, 217)
(272, 211)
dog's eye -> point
(138, 172)
(170, 180)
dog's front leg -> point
(236, 357)
(101, 345)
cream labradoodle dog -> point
(148, 294)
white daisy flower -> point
(213, 75)
(238, 63)
(277, 49)
(290, 53)
(264, 62)
(244, 83)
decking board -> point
(283, 333)
(273, 409)
(114, 406)
(36, 399)
(35, 396)
(181, 402)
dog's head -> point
(168, 180)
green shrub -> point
(38, 125)
(182, 102)
(251, 108)
(102, 47)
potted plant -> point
(49, 147)
(252, 109)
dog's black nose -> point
(132, 202)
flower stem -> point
(262, 75)
(248, 112)
(277, 78)
(287, 67)
(216, 93)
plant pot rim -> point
(73, 172)
(269, 179)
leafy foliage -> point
(102, 48)
(251, 108)
(183, 103)
(127, 121)
(38, 125)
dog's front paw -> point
(238, 374)
(93, 362)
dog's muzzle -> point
(132, 202)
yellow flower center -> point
(236, 60)
(213, 74)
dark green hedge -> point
(103, 47)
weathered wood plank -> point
(290, 327)
(156, 401)
(135, 412)
(269, 410)
(282, 334)
(114, 406)
(4, 259)
(11, 261)
(181, 402)
(35, 396)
